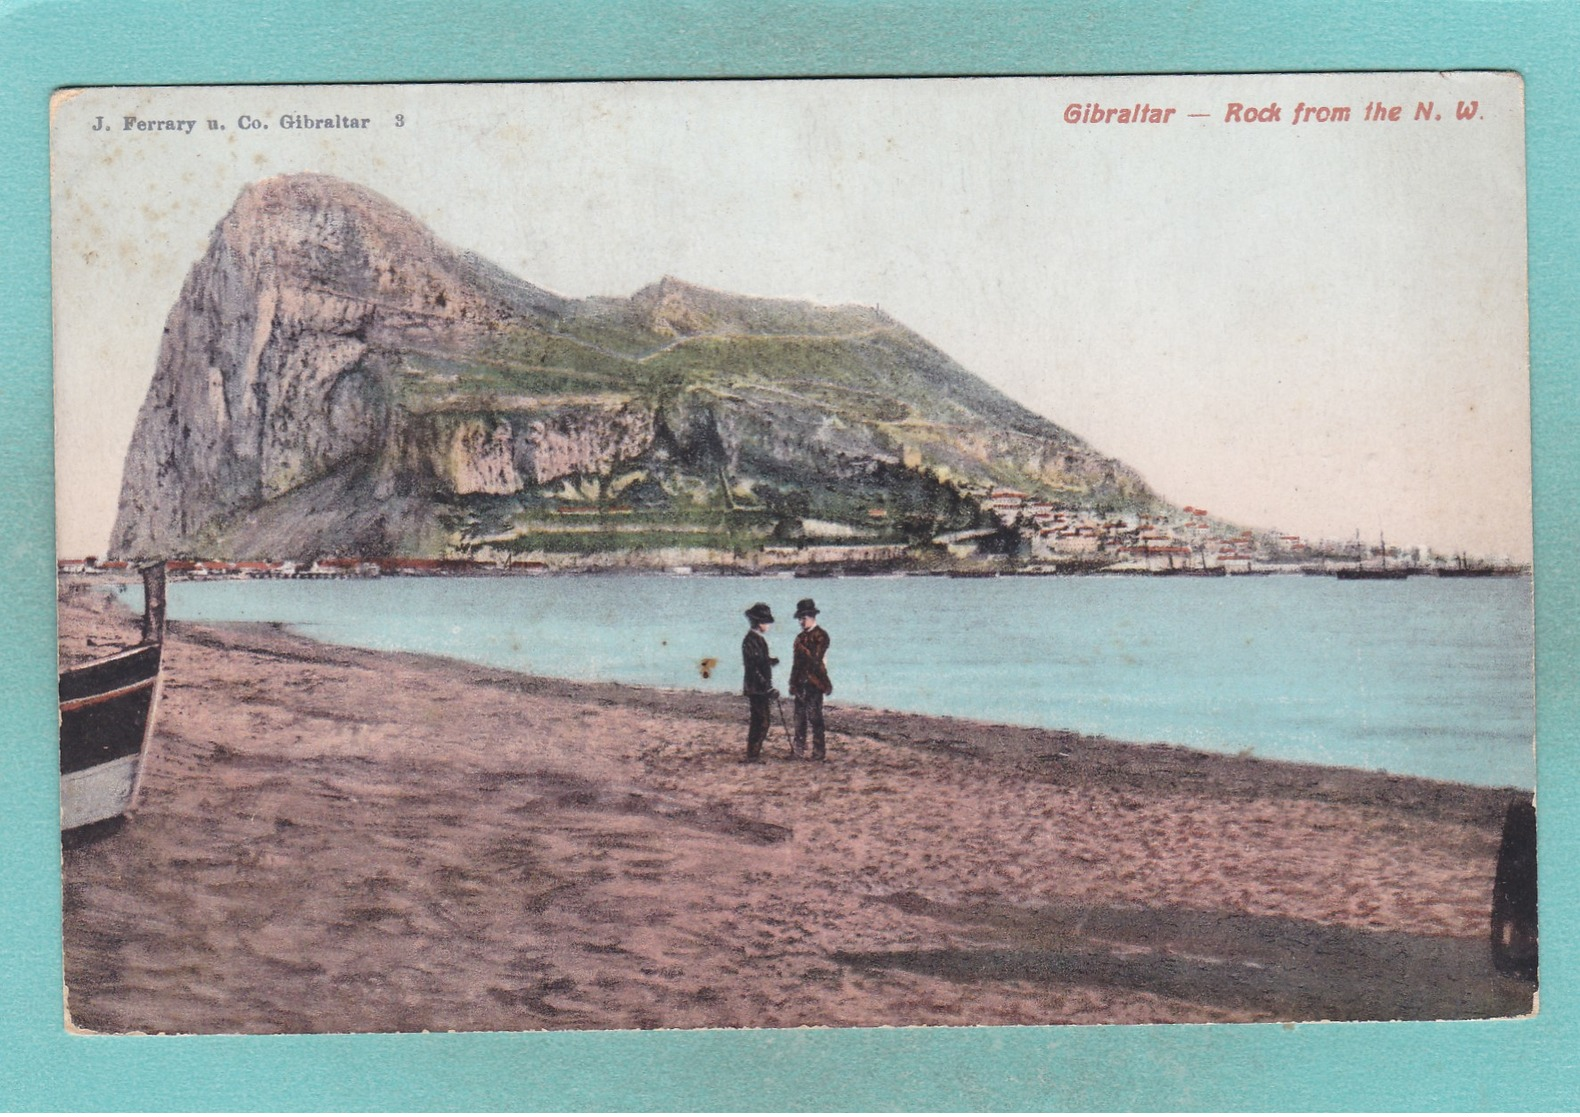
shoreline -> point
(1081, 757)
(580, 567)
(1480, 752)
(334, 839)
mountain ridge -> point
(336, 379)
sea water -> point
(1426, 676)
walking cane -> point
(785, 725)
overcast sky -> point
(1314, 326)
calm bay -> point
(1427, 677)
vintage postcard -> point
(768, 554)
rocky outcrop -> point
(478, 459)
(334, 379)
(571, 440)
(275, 368)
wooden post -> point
(153, 602)
(1514, 937)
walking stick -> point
(785, 725)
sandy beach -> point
(336, 840)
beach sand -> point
(336, 840)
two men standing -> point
(809, 681)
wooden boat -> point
(107, 710)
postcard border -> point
(1489, 1065)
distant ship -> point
(1363, 573)
(1464, 568)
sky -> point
(1315, 325)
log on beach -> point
(338, 840)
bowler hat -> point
(806, 607)
(760, 614)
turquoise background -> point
(1492, 1065)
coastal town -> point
(1017, 534)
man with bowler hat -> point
(809, 682)
(759, 685)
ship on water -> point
(1360, 572)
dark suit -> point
(758, 688)
(809, 683)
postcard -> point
(795, 553)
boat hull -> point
(97, 794)
(106, 713)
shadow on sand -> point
(1287, 968)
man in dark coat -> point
(759, 684)
(809, 681)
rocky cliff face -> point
(278, 358)
(334, 379)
